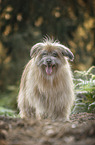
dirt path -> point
(80, 131)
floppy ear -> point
(66, 52)
(35, 49)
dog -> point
(46, 88)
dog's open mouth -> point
(49, 69)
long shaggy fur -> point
(47, 94)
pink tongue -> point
(49, 70)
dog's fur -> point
(46, 89)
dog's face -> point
(49, 56)
(49, 61)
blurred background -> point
(24, 23)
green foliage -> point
(8, 112)
(8, 99)
(85, 90)
(8, 102)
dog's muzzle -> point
(49, 64)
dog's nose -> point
(48, 60)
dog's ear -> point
(35, 49)
(66, 52)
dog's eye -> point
(55, 54)
(44, 53)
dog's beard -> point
(49, 68)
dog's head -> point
(50, 56)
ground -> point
(79, 131)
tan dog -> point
(46, 89)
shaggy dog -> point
(46, 89)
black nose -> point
(48, 60)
